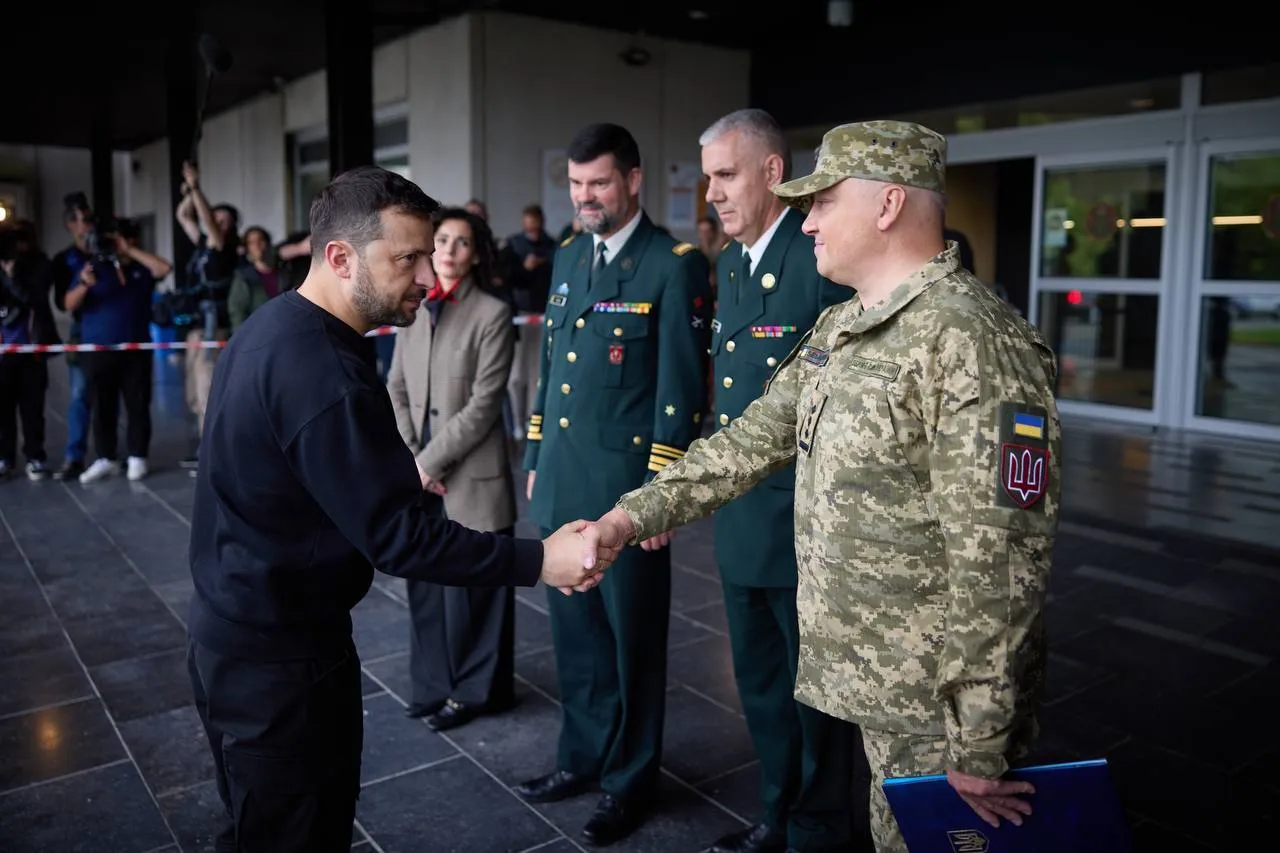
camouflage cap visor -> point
(799, 192)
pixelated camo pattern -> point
(921, 589)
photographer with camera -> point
(25, 318)
(77, 217)
(112, 293)
(214, 231)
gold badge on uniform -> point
(768, 281)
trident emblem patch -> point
(1023, 473)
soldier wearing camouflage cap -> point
(922, 423)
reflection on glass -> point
(1244, 218)
(1239, 376)
(1106, 345)
(1103, 222)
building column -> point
(181, 65)
(349, 79)
(100, 160)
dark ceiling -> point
(75, 60)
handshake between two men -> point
(575, 557)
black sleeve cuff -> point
(526, 562)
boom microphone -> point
(217, 60)
(215, 56)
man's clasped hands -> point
(575, 556)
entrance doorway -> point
(987, 203)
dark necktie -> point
(598, 267)
(746, 277)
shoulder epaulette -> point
(683, 249)
(726, 246)
(567, 240)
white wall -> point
(446, 131)
(149, 194)
(48, 173)
(544, 80)
(486, 94)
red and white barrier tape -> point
(525, 320)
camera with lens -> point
(100, 242)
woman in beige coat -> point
(447, 381)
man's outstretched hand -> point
(993, 799)
(574, 557)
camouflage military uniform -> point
(926, 441)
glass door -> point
(1100, 267)
(1233, 355)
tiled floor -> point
(1165, 660)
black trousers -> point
(23, 382)
(110, 377)
(462, 643)
(286, 738)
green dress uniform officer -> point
(621, 396)
(762, 310)
(922, 422)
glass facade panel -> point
(391, 134)
(1244, 218)
(313, 152)
(1106, 345)
(398, 164)
(1103, 221)
(1239, 377)
(309, 183)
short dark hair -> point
(257, 229)
(597, 140)
(231, 210)
(533, 210)
(350, 207)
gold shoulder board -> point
(683, 249)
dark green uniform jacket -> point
(758, 321)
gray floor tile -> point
(113, 812)
(409, 814)
(55, 741)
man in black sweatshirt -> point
(306, 487)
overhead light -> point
(840, 13)
(636, 56)
(698, 14)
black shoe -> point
(415, 710)
(70, 470)
(612, 822)
(554, 787)
(760, 838)
(452, 715)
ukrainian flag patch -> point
(1031, 426)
